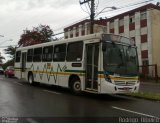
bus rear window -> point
(18, 56)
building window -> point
(144, 38)
(71, 33)
(83, 32)
(37, 55)
(121, 29)
(143, 15)
(59, 52)
(132, 19)
(77, 31)
(143, 23)
(111, 30)
(75, 51)
(71, 36)
(18, 56)
(131, 26)
(47, 53)
(144, 54)
(30, 55)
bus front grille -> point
(125, 83)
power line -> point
(123, 7)
(137, 3)
(119, 8)
(83, 9)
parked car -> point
(1, 70)
(9, 72)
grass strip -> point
(146, 95)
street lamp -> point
(112, 7)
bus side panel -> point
(76, 69)
(17, 70)
(57, 71)
(49, 72)
(41, 72)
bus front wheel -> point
(76, 86)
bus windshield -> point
(120, 59)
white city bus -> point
(96, 63)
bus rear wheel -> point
(76, 86)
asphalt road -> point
(39, 103)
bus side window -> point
(18, 56)
(75, 51)
(30, 55)
(47, 53)
(37, 55)
(59, 52)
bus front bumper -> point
(111, 88)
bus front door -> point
(92, 56)
(23, 65)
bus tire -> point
(76, 86)
(30, 79)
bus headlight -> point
(107, 78)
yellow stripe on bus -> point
(83, 74)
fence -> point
(148, 72)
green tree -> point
(8, 63)
(11, 52)
(1, 58)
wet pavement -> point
(19, 99)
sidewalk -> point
(150, 86)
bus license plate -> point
(126, 88)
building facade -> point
(142, 24)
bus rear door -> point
(23, 65)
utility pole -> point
(92, 16)
(92, 10)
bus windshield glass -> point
(120, 59)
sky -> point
(18, 15)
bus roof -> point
(80, 38)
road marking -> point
(31, 120)
(18, 83)
(51, 92)
(122, 109)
